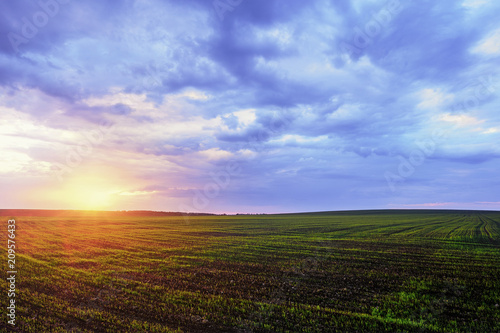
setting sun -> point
(88, 192)
(90, 195)
(250, 166)
(95, 189)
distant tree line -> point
(62, 213)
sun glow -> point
(88, 192)
(96, 189)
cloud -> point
(490, 45)
(460, 120)
(134, 193)
(475, 3)
(315, 101)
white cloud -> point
(196, 95)
(134, 193)
(215, 154)
(246, 153)
(475, 3)
(245, 117)
(460, 120)
(279, 34)
(491, 130)
(117, 96)
(300, 139)
(433, 98)
(13, 162)
(490, 45)
(347, 112)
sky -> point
(249, 106)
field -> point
(365, 271)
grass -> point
(367, 271)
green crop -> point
(366, 271)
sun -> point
(91, 196)
(87, 191)
(92, 188)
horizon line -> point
(179, 213)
